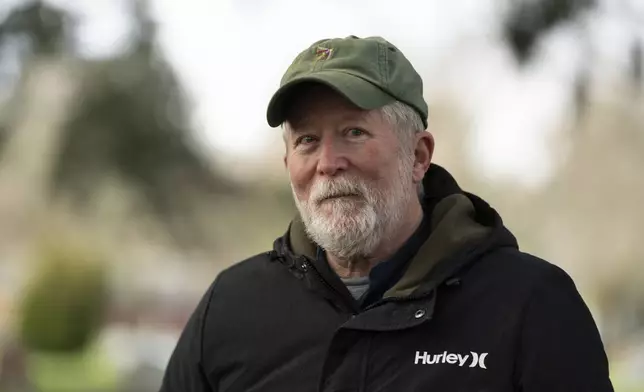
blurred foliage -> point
(528, 20)
(63, 306)
(132, 123)
(129, 121)
(3, 137)
(41, 24)
(637, 61)
(87, 370)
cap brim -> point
(360, 92)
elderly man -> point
(390, 278)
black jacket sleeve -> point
(560, 346)
(184, 372)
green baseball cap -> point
(370, 72)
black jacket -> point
(470, 313)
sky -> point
(231, 54)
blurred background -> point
(136, 163)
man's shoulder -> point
(246, 270)
(242, 283)
(510, 258)
(235, 277)
(256, 275)
(521, 269)
(516, 279)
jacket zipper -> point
(308, 265)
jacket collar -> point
(463, 226)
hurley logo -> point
(431, 359)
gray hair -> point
(407, 123)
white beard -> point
(353, 227)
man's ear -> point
(285, 161)
(423, 153)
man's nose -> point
(331, 159)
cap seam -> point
(384, 66)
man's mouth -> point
(338, 196)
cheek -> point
(368, 159)
(301, 180)
(372, 152)
(379, 164)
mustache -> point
(336, 188)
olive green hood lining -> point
(453, 226)
(300, 242)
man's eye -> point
(356, 132)
(304, 140)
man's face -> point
(351, 178)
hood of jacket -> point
(463, 227)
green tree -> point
(528, 21)
(63, 306)
(129, 122)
